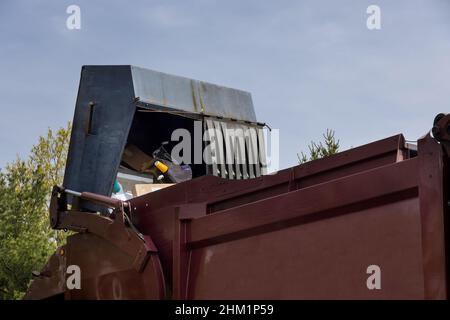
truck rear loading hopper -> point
(307, 232)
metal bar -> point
(212, 156)
(229, 154)
(180, 259)
(262, 155)
(220, 150)
(248, 152)
(97, 198)
(254, 161)
(240, 147)
(74, 193)
(432, 202)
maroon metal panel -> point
(220, 194)
(324, 259)
(307, 232)
(432, 202)
(360, 190)
(180, 261)
(107, 272)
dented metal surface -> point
(191, 96)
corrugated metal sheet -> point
(192, 96)
(237, 149)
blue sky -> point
(310, 65)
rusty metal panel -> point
(191, 96)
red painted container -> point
(367, 223)
(308, 232)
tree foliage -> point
(26, 239)
(320, 149)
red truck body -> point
(307, 232)
(366, 223)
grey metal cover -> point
(107, 100)
(192, 96)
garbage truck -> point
(370, 222)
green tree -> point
(320, 149)
(26, 239)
